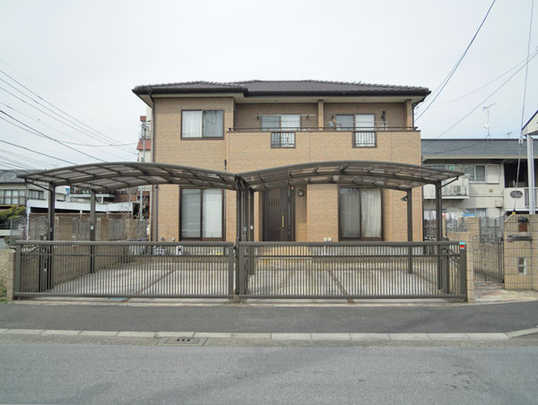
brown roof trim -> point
(243, 88)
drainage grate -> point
(184, 340)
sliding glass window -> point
(201, 214)
(360, 213)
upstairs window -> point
(202, 124)
(282, 129)
(276, 122)
(475, 172)
(362, 125)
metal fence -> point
(488, 250)
(124, 269)
(247, 269)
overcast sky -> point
(86, 56)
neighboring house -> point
(244, 126)
(490, 186)
(14, 192)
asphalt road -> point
(126, 374)
(300, 319)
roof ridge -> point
(327, 82)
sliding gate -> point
(352, 270)
(247, 269)
(125, 269)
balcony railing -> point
(327, 129)
(458, 189)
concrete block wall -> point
(7, 271)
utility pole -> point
(532, 181)
(143, 159)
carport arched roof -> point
(353, 172)
(118, 175)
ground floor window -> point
(360, 212)
(201, 213)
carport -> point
(109, 177)
(244, 268)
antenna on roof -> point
(486, 126)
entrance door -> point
(278, 215)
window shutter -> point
(290, 121)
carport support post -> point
(251, 215)
(92, 230)
(51, 218)
(410, 230)
(52, 209)
(439, 223)
(238, 201)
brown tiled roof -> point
(283, 88)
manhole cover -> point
(184, 340)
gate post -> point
(445, 268)
(463, 272)
(231, 261)
(18, 270)
(92, 230)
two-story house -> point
(244, 126)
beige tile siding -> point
(245, 151)
(170, 148)
(322, 212)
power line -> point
(55, 106)
(533, 197)
(55, 115)
(34, 131)
(34, 151)
(13, 162)
(453, 70)
(50, 112)
(519, 64)
(6, 161)
(67, 142)
(486, 98)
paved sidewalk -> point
(241, 318)
(200, 338)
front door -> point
(278, 215)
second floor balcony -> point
(251, 149)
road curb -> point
(277, 336)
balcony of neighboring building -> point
(452, 189)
